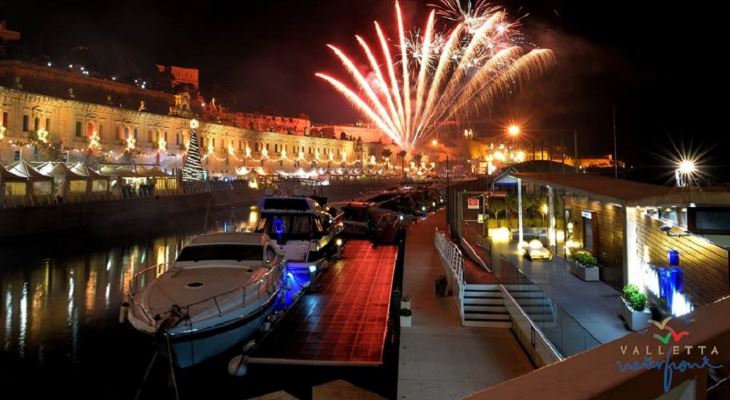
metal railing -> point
(563, 331)
(249, 293)
(451, 253)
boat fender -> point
(237, 366)
(249, 346)
(123, 312)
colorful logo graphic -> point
(674, 335)
(667, 357)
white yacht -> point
(307, 233)
(216, 294)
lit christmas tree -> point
(193, 169)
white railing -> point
(249, 293)
(451, 254)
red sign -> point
(472, 203)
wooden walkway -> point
(344, 321)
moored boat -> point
(217, 293)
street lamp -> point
(513, 130)
(686, 169)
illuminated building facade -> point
(103, 121)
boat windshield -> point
(293, 226)
(235, 252)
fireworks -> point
(461, 71)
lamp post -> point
(684, 172)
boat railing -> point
(250, 293)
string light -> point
(42, 136)
(94, 141)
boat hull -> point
(195, 348)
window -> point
(25, 123)
(78, 128)
(48, 124)
(221, 252)
(291, 226)
(150, 136)
(5, 119)
(136, 133)
(101, 131)
(270, 253)
(36, 124)
(177, 138)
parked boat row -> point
(380, 216)
(223, 286)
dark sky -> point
(658, 63)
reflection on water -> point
(50, 302)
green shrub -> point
(634, 297)
(629, 290)
(404, 312)
(638, 301)
(585, 258)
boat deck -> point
(344, 320)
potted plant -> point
(405, 317)
(585, 266)
(634, 309)
(405, 302)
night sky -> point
(659, 64)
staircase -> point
(538, 307)
(483, 306)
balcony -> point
(598, 374)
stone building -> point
(104, 121)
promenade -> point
(439, 358)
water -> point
(60, 305)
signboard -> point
(472, 203)
(586, 214)
(480, 218)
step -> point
(480, 286)
(525, 291)
(533, 302)
(488, 324)
(487, 316)
(483, 301)
(536, 309)
(470, 308)
(527, 295)
(482, 294)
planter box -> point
(405, 321)
(590, 274)
(637, 320)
